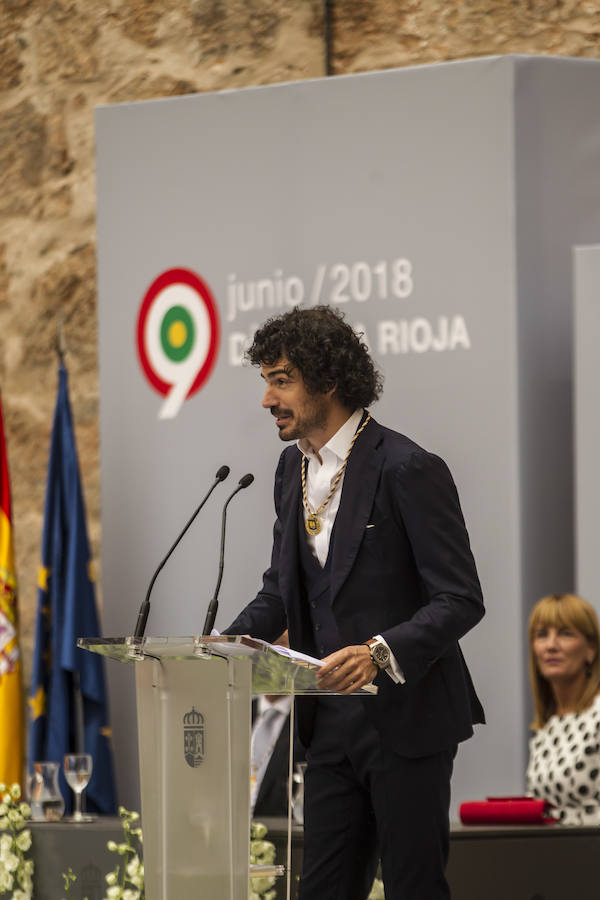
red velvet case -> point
(507, 811)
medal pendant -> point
(312, 524)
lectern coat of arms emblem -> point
(193, 738)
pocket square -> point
(370, 526)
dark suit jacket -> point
(402, 567)
(272, 799)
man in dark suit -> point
(371, 570)
(272, 790)
(270, 752)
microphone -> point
(145, 607)
(211, 614)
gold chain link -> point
(317, 512)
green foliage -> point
(262, 853)
(126, 880)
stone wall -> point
(61, 58)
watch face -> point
(380, 655)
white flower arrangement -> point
(16, 871)
(262, 853)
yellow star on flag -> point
(37, 704)
(43, 574)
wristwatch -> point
(380, 653)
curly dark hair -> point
(325, 349)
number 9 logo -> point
(177, 336)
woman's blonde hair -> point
(560, 611)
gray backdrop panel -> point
(290, 182)
(587, 419)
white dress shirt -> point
(321, 470)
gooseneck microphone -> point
(213, 606)
(145, 607)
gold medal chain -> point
(313, 524)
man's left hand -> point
(347, 669)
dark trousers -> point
(362, 802)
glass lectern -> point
(194, 699)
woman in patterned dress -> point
(564, 667)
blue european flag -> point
(67, 700)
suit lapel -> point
(288, 513)
(358, 493)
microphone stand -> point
(145, 607)
(213, 606)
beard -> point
(311, 417)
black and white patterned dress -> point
(564, 765)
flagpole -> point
(61, 347)
(61, 350)
(67, 689)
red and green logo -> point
(177, 336)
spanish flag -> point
(11, 698)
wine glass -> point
(78, 771)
